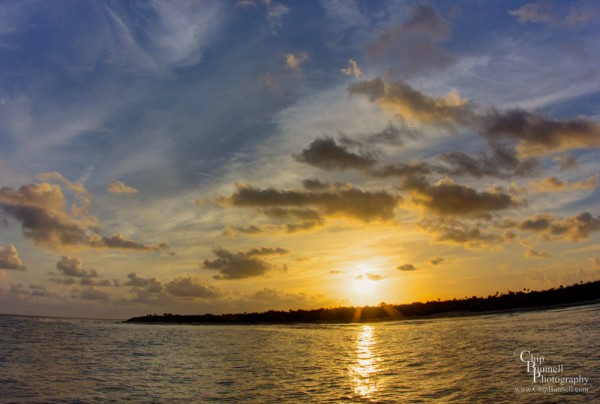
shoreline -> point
(510, 303)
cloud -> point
(406, 267)
(553, 184)
(117, 240)
(352, 69)
(576, 228)
(436, 260)
(537, 134)
(532, 132)
(294, 61)
(326, 154)
(503, 163)
(454, 232)
(449, 199)
(192, 287)
(240, 265)
(274, 16)
(119, 187)
(531, 253)
(351, 203)
(9, 258)
(414, 46)
(554, 13)
(150, 285)
(41, 211)
(231, 231)
(374, 277)
(400, 98)
(74, 267)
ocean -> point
(500, 358)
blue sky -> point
(231, 156)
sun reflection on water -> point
(367, 364)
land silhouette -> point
(510, 301)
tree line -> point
(525, 299)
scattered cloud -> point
(470, 236)
(531, 253)
(192, 287)
(73, 266)
(294, 61)
(41, 209)
(449, 199)
(576, 228)
(119, 187)
(352, 69)
(400, 98)
(437, 260)
(351, 203)
(325, 153)
(150, 285)
(374, 277)
(9, 258)
(406, 267)
(243, 264)
(534, 133)
(565, 14)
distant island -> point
(522, 300)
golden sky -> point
(194, 157)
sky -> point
(232, 156)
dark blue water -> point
(470, 359)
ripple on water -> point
(445, 360)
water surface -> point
(469, 359)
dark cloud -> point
(248, 230)
(576, 228)
(503, 163)
(531, 253)
(352, 203)
(9, 258)
(415, 45)
(74, 267)
(303, 226)
(406, 267)
(150, 285)
(266, 251)
(405, 170)
(243, 264)
(537, 134)
(458, 233)
(232, 231)
(327, 154)
(41, 211)
(436, 260)
(412, 105)
(192, 287)
(532, 132)
(117, 240)
(292, 213)
(373, 277)
(449, 199)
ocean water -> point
(468, 359)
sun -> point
(364, 285)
